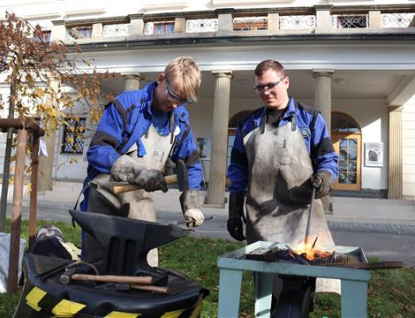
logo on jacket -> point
(305, 132)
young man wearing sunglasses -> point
(281, 151)
(139, 130)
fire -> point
(310, 252)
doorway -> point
(347, 141)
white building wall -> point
(408, 149)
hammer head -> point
(182, 175)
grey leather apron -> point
(138, 204)
(279, 189)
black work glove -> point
(150, 180)
(323, 182)
(236, 212)
(127, 169)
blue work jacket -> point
(125, 121)
(311, 125)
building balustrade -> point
(321, 18)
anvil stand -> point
(125, 242)
(354, 282)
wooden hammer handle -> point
(114, 279)
(132, 187)
(152, 288)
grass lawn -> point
(391, 292)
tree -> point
(38, 71)
(33, 64)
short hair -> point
(186, 75)
(264, 66)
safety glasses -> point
(176, 97)
(268, 86)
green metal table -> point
(354, 282)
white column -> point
(132, 81)
(322, 94)
(395, 183)
(322, 101)
(217, 170)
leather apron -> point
(279, 190)
(137, 204)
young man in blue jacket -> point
(138, 132)
(281, 151)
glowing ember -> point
(310, 253)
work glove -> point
(322, 181)
(127, 169)
(236, 212)
(190, 204)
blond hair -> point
(186, 75)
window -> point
(350, 21)
(74, 136)
(157, 28)
(45, 37)
(250, 24)
(81, 33)
(164, 28)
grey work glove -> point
(323, 182)
(127, 169)
(190, 204)
(236, 212)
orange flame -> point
(308, 252)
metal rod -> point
(17, 211)
(310, 211)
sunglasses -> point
(176, 97)
(268, 86)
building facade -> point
(352, 60)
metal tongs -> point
(310, 211)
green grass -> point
(391, 292)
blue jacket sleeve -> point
(102, 152)
(238, 168)
(322, 151)
(186, 149)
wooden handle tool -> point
(145, 280)
(117, 189)
(152, 288)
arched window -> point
(341, 122)
(347, 140)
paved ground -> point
(383, 228)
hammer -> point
(181, 178)
(67, 278)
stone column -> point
(322, 101)
(375, 19)
(217, 172)
(132, 81)
(323, 17)
(58, 31)
(322, 94)
(97, 29)
(180, 25)
(395, 184)
(225, 19)
(136, 25)
(273, 22)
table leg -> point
(354, 299)
(229, 293)
(263, 294)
